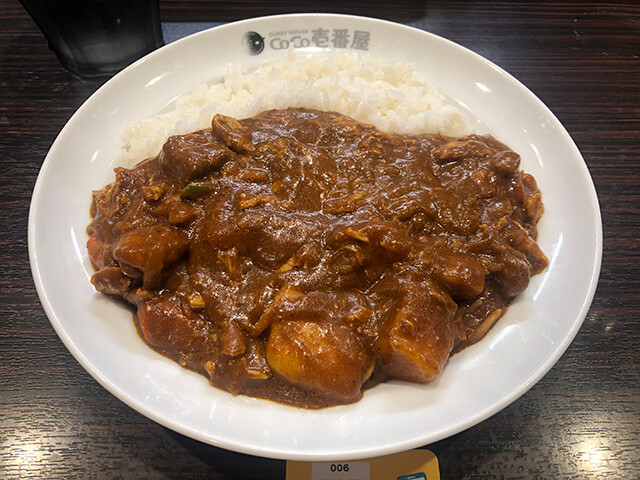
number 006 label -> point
(340, 471)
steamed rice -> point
(393, 97)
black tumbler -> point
(98, 37)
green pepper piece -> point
(195, 190)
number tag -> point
(412, 465)
(340, 471)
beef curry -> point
(302, 256)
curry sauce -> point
(302, 256)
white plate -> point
(392, 417)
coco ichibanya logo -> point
(342, 38)
(254, 42)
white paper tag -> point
(340, 471)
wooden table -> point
(579, 421)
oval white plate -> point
(392, 417)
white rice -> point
(393, 97)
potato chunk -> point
(323, 357)
(419, 337)
(462, 274)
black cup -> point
(98, 37)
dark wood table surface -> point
(580, 421)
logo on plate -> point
(255, 42)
